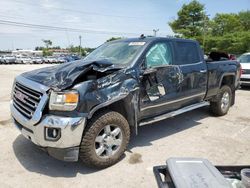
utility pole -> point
(204, 29)
(80, 46)
(155, 31)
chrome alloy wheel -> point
(225, 101)
(108, 141)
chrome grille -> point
(25, 100)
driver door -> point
(160, 81)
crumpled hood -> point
(63, 76)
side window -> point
(158, 55)
(186, 53)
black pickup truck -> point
(88, 108)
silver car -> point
(9, 59)
(245, 64)
(24, 60)
(37, 60)
(1, 60)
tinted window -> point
(158, 55)
(244, 58)
(186, 53)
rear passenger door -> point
(188, 57)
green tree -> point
(113, 38)
(39, 48)
(225, 32)
(244, 17)
(235, 43)
(46, 51)
(225, 23)
(89, 50)
(191, 20)
(75, 49)
(47, 43)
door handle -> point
(203, 71)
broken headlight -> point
(63, 101)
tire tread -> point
(92, 128)
(215, 107)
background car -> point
(24, 60)
(69, 59)
(37, 60)
(8, 59)
(61, 60)
(51, 59)
(245, 64)
(1, 60)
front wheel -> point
(223, 103)
(105, 139)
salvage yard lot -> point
(222, 140)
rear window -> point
(244, 58)
(186, 53)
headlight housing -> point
(63, 101)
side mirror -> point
(149, 71)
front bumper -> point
(245, 80)
(65, 146)
(245, 83)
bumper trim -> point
(66, 154)
(71, 131)
(245, 83)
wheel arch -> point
(229, 80)
(125, 105)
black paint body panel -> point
(171, 86)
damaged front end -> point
(91, 86)
(66, 75)
(51, 106)
(118, 90)
(98, 84)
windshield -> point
(244, 58)
(120, 52)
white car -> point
(245, 64)
(51, 59)
(24, 60)
(9, 59)
(37, 60)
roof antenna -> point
(142, 36)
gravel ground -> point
(224, 140)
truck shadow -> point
(155, 131)
(35, 160)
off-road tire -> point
(215, 107)
(94, 126)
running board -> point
(174, 113)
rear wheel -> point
(104, 140)
(223, 103)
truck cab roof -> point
(152, 39)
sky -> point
(95, 20)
